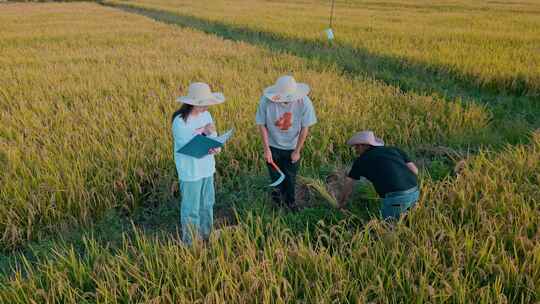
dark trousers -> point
(286, 190)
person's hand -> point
(268, 156)
(214, 151)
(295, 156)
(198, 131)
(210, 129)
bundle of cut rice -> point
(321, 189)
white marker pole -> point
(329, 32)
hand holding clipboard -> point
(200, 146)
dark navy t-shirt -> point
(386, 168)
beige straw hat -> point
(199, 94)
(366, 138)
(286, 89)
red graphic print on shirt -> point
(285, 121)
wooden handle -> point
(274, 166)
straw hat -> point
(199, 94)
(366, 138)
(286, 89)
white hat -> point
(199, 94)
(366, 138)
(286, 90)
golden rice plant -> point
(483, 44)
(321, 188)
(457, 246)
(87, 92)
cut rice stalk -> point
(320, 188)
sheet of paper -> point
(225, 136)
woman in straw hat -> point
(390, 170)
(196, 174)
(284, 116)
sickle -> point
(281, 175)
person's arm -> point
(266, 145)
(346, 192)
(355, 174)
(295, 156)
(210, 130)
(260, 120)
(308, 119)
(182, 134)
(412, 167)
(408, 161)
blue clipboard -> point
(198, 146)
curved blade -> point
(281, 176)
(279, 180)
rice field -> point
(490, 45)
(86, 95)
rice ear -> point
(320, 188)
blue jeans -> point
(396, 203)
(196, 209)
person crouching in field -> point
(196, 175)
(390, 170)
(284, 116)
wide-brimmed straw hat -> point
(199, 94)
(366, 138)
(286, 89)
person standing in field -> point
(284, 116)
(196, 175)
(392, 173)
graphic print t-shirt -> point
(285, 120)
